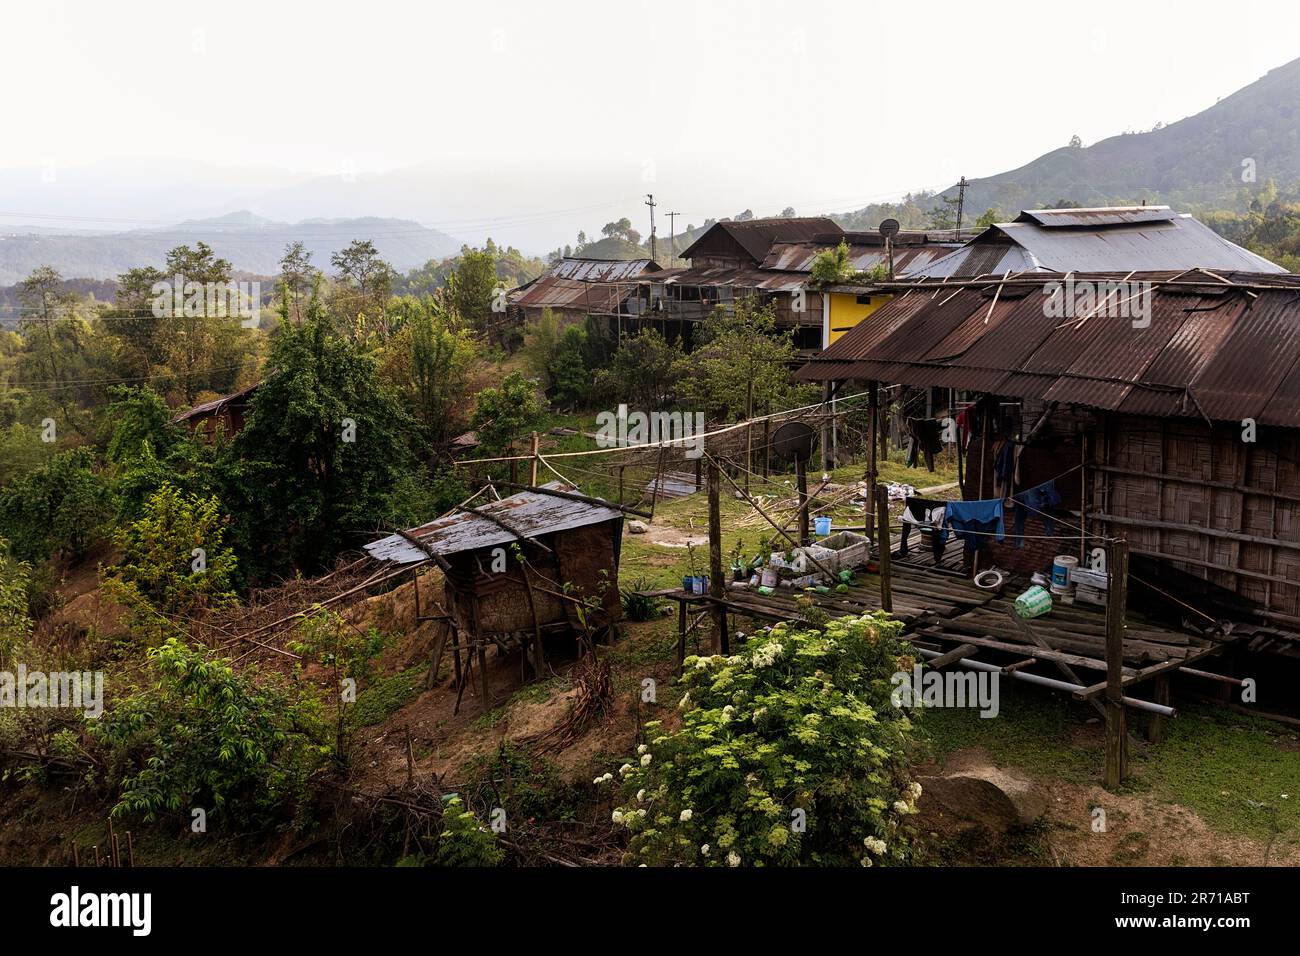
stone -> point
(637, 527)
(993, 799)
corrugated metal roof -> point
(557, 293)
(769, 280)
(601, 270)
(217, 404)
(1211, 348)
(531, 513)
(1096, 216)
(756, 236)
(799, 256)
(1097, 240)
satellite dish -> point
(793, 440)
(889, 228)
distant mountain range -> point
(1195, 165)
(252, 244)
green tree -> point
(505, 413)
(429, 362)
(472, 290)
(570, 377)
(742, 363)
(313, 468)
(64, 506)
(643, 372)
(15, 620)
(365, 283)
(297, 277)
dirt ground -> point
(1140, 829)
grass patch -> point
(1032, 730)
(384, 696)
(1230, 769)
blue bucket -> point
(823, 525)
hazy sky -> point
(714, 106)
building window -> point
(864, 300)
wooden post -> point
(801, 483)
(886, 586)
(532, 465)
(749, 431)
(681, 636)
(717, 586)
(1156, 726)
(873, 423)
(620, 484)
(767, 445)
(1116, 612)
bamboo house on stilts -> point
(1148, 430)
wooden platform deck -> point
(954, 621)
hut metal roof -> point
(531, 513)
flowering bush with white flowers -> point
(789, 753)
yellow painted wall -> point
(846, 311)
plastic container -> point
(1033, 603)
(1062, 565)
(822, 525)
(770, 577)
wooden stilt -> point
(1156, 728)
(1116, 612)
(872, 476)
(886, 584)
(717, 585)
(681, 636)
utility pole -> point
(650, 201)
(961, 202)
(672, 236)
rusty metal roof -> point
(601, 270)
(768, 280)
(908, 256)
(558, 293)
(215, 406)
(756, 236)
(531, 513)
(1144, 238)
(1220, 345)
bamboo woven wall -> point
(1182, 491)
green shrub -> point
(205, 736)
(174, 559)
(789, 753)
(464, 841)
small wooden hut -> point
(538, 564)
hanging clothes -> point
(927, 440)
(1040, 499)
(977, 523)
(927, 516)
